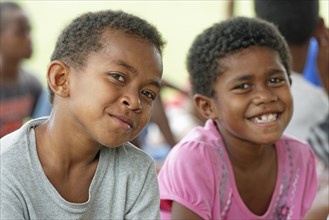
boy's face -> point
(252, 103)
(111, 97)
(15, 35)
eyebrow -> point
(126, 65)
(133, 70)
(155, 83)
(275, 71)
(270, 72)
(242, 78)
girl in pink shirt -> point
(239, 165)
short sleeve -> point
(188, 177)
(10, 200)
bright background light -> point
(178, 21)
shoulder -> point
(130, 158)
(198, 143)
(298, 149)
(198, 151)
(297, 157)
(190, 174)
(206, 136)
(12, 151)
(16, 158)
(14, 143)
(293, 142)
(132, 152)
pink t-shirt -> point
(198, 174)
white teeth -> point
(266, 118)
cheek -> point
(147, 112)
(90, 89)
(234, 108)
(286, 98)
(232, 112)
(88, 98)
(13, 40)
(7, 44)
(144, 116)
(289, 105)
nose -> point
(132, 102)
(264, 95)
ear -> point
(204, 106)
(58, 79)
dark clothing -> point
(17, 101)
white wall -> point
(179, 22)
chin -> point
(114, 143)
(27, 54)
(268, 139)
(111, 145)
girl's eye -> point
(117, 76)
(149, 94)
(276, 80)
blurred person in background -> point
(311, 69)
(19, 89)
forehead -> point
(119, 47)
(242, 59)
(112, 38)
(253, 62)
(124, 44)
(14, 16)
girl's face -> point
(252, 102)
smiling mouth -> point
(266, 118)
(122, 122)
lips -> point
(123, 121)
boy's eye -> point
(242, 86)
(149, 94)
(117, 76)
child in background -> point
(104, 75)
(20, 89)
(239, 165)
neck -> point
(63, 153)
(9, 69)
(299, 56)
(249, 157)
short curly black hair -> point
(83, 36)
(227, 37)
(296, 20)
